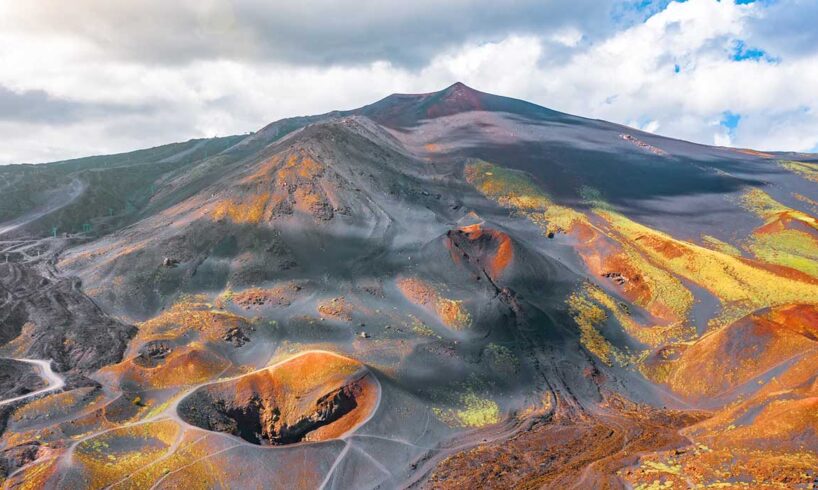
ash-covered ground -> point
(430, 291)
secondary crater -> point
(314, 396)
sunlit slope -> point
(753, 351)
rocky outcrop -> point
(53, 319)
(153, 353)
(16, 457)
(18, 378)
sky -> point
(90, 77)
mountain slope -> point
(446, 286)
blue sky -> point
(91, 76)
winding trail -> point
(58, 199)
(54, 381)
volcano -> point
(429, 291)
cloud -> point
(678, 68)
(787, 26)
(319, 32)
(37, 106)
(87, 77)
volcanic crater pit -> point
(315, 396)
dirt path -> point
(60, 198)
(53, 380)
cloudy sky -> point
(85, 77)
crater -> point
(314, 396)
(486, 249)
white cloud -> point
(630, 77)
(648, 127)
(567, 37)
(722, 139)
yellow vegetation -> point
(475, 412)
(248, 211)
(106, 464)
(739, 284)
(37, 474)
(515, 190)
(763, 205)
(667, 292)
(192, 447)
(53, 403)
(478, 412)
(807, 170)
(588, 316)
(788, 237)
(652, 336)
(789, 248)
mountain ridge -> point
(378, 106)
